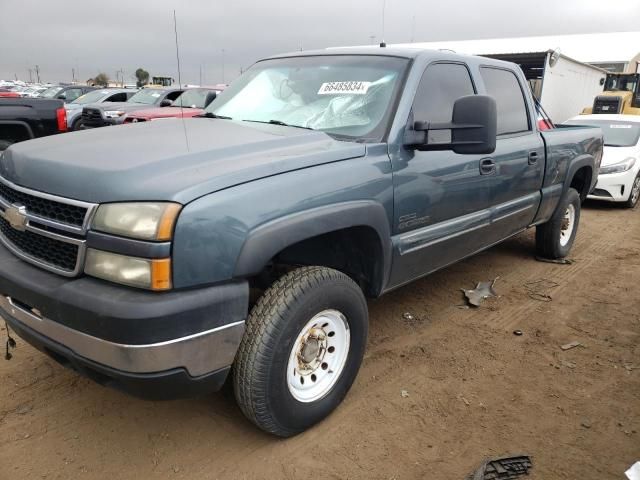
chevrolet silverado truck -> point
(26, 118)
(167, 257)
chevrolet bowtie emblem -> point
(16, 215)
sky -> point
(219, 38)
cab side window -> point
(72, 94)
(441, 85)
(503, 85)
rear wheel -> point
(555, 238)
(635, 193)
(302, 349)
(76, 125)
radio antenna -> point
(384, 4)
(175, 29)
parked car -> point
(66, 93)
(316, 179)
(102, 115)
(26, 118)
(107, 95)
(191, 103)
(619, 176)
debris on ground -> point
(483, 290)
(559, 261)
(404, 393)
(540, 289)
(517, 333)
(407, 316)
(634, 471)
(585, 423)
(570, 345)
(503, 468)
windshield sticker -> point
(155, 95)
(349, 88)
(619, 126)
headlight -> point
(152, 274)
(142, 220)
(113, 113)
(623, 166)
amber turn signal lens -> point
(167, 221)
(161, 274)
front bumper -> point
(135, 339)
(614, 187)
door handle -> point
(533, 158)
(487, 166)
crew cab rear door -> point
(518, 161)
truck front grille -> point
(92, 117)
(45, 230)
(606, 104)
(49, 209)
(52, 252)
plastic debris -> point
(482, 291)
(570, 345)
(407, 316)
(634, 471)
(517, 333)
(404, 393)
(559, 261)
(503, 468)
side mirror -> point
(473, 128)
(62, 96)
(166, 103)
(211, 96)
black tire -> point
(77, 123)
(635, 193)
(549, 234)
(274, 324)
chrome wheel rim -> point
(568, 223)
(635, 190)
(318, 356)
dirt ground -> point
(474, 388)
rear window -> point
(503, 85)
(615, 133)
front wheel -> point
(555, 238)
(301, 351)
(635, 193)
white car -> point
(619, 177)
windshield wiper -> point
(279, 122)
(213, 115)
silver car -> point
(74, 109)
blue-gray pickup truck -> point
(170, 256)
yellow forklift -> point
(621, 95)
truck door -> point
(519, 158)
(441, 198)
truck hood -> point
(166, 112)
(611, 155)
(175, 159)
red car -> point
(191, 103)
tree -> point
(101, 79)
(143, 77)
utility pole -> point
(30, 75)
(73, 75)
(38, 73)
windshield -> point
(615, 133)
(50, 92)
(148, 96)
(621, 82)
(91, 97)
(346, 95)
(195, 98)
